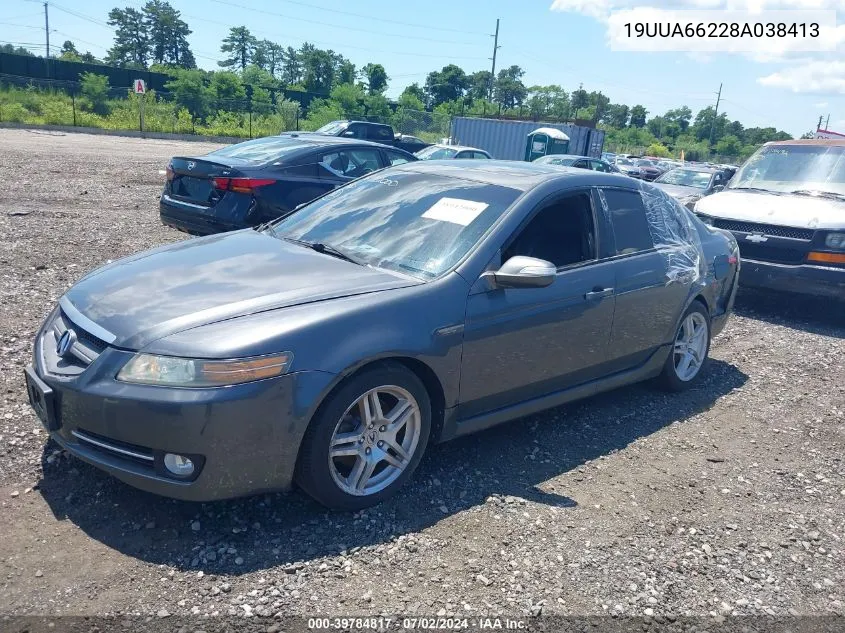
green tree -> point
(168, 35)
(318, 68)
(415, 91)
(600, 102)
(346, 72)
(376, 78)
(240, 45)
(638, 116)
(291, 66)
(681, 116)
(69, 52)
(480, 84)
(131, 42)
(268, 55)
(228, 89)
(579, 99)
(15, 50)
(617, 115)
(508, 89)
(190, 91)
(95, 92)
(445, 85)
(659, 150)
(729, 145)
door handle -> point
(598, 293)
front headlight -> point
(835, 241)
(149, 369)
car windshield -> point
(260, 150)
(785, 168)
(625, 161)
(554, 160)
(645, 163)
(686, 178)
(408, 222)
(331, 128)
(436, 153)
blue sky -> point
(564, 45)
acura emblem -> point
(191, 165)
(757, 238)
(65, 343)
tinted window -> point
(380, 133)
(561, 233)
(308, 171)
(630, 226)
(421, 224)
(434, 152)
(582, 164)
(480, 155)
(599, 166)
(396, 158)
(351, 163)
(356, 130)
(261, 150)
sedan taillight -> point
(241, 185)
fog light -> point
(178, 465)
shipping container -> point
(506, 140)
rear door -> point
(647, 303)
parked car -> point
(786, 207)
(648, 169)
(444, 152)
(417, 304)
(608, 157)
(375, 132)
(628, 167)
(689, 184)
(582, 162)
(263, 179)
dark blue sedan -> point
(417, 304)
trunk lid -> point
(191, 179)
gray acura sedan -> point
(331, 347)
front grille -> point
(114, 448)
(765, 229)
(85, 350)
(774, 254)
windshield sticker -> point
(455, 210)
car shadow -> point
(514, 460)
(816, 315)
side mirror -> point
(717, 188)
(523, 272)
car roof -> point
(831, 142)
(328, 140)
(701, 168)
(459, 148)
(520, 175)
(572, 156)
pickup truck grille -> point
(770, 253)
(765, 229)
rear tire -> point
(690, 348)
(366, 439)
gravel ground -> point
(729, 499)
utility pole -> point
(47, 28)
(493, 71)
(47, 35)
(827, 123)
(819, 126)
(715, 114)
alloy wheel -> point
(690, 346)
(375, 440)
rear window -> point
(630, 226)
(260, 150)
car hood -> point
(679, 191)
(199, 281)
(772, 208)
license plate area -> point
(42, 399)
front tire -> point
(689, 350)
(366, 439)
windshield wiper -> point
(819, 194)
(326, 249)
(264, 226)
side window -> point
(463, 155)
(562, 232)
(351, 163)
(581, 164)
(380, 133)
(355, 131)
(630, 226)
(307, 171)
(396, 158)
(598, 165)
(480, 155)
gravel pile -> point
(729, 499)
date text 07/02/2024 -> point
(383, 623)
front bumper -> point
(244, 439)
(806, 279)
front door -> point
(528, 342)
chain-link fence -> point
(245, 112)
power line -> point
(325, 43)
(385, 20)
(81, 16)
(343, 26)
